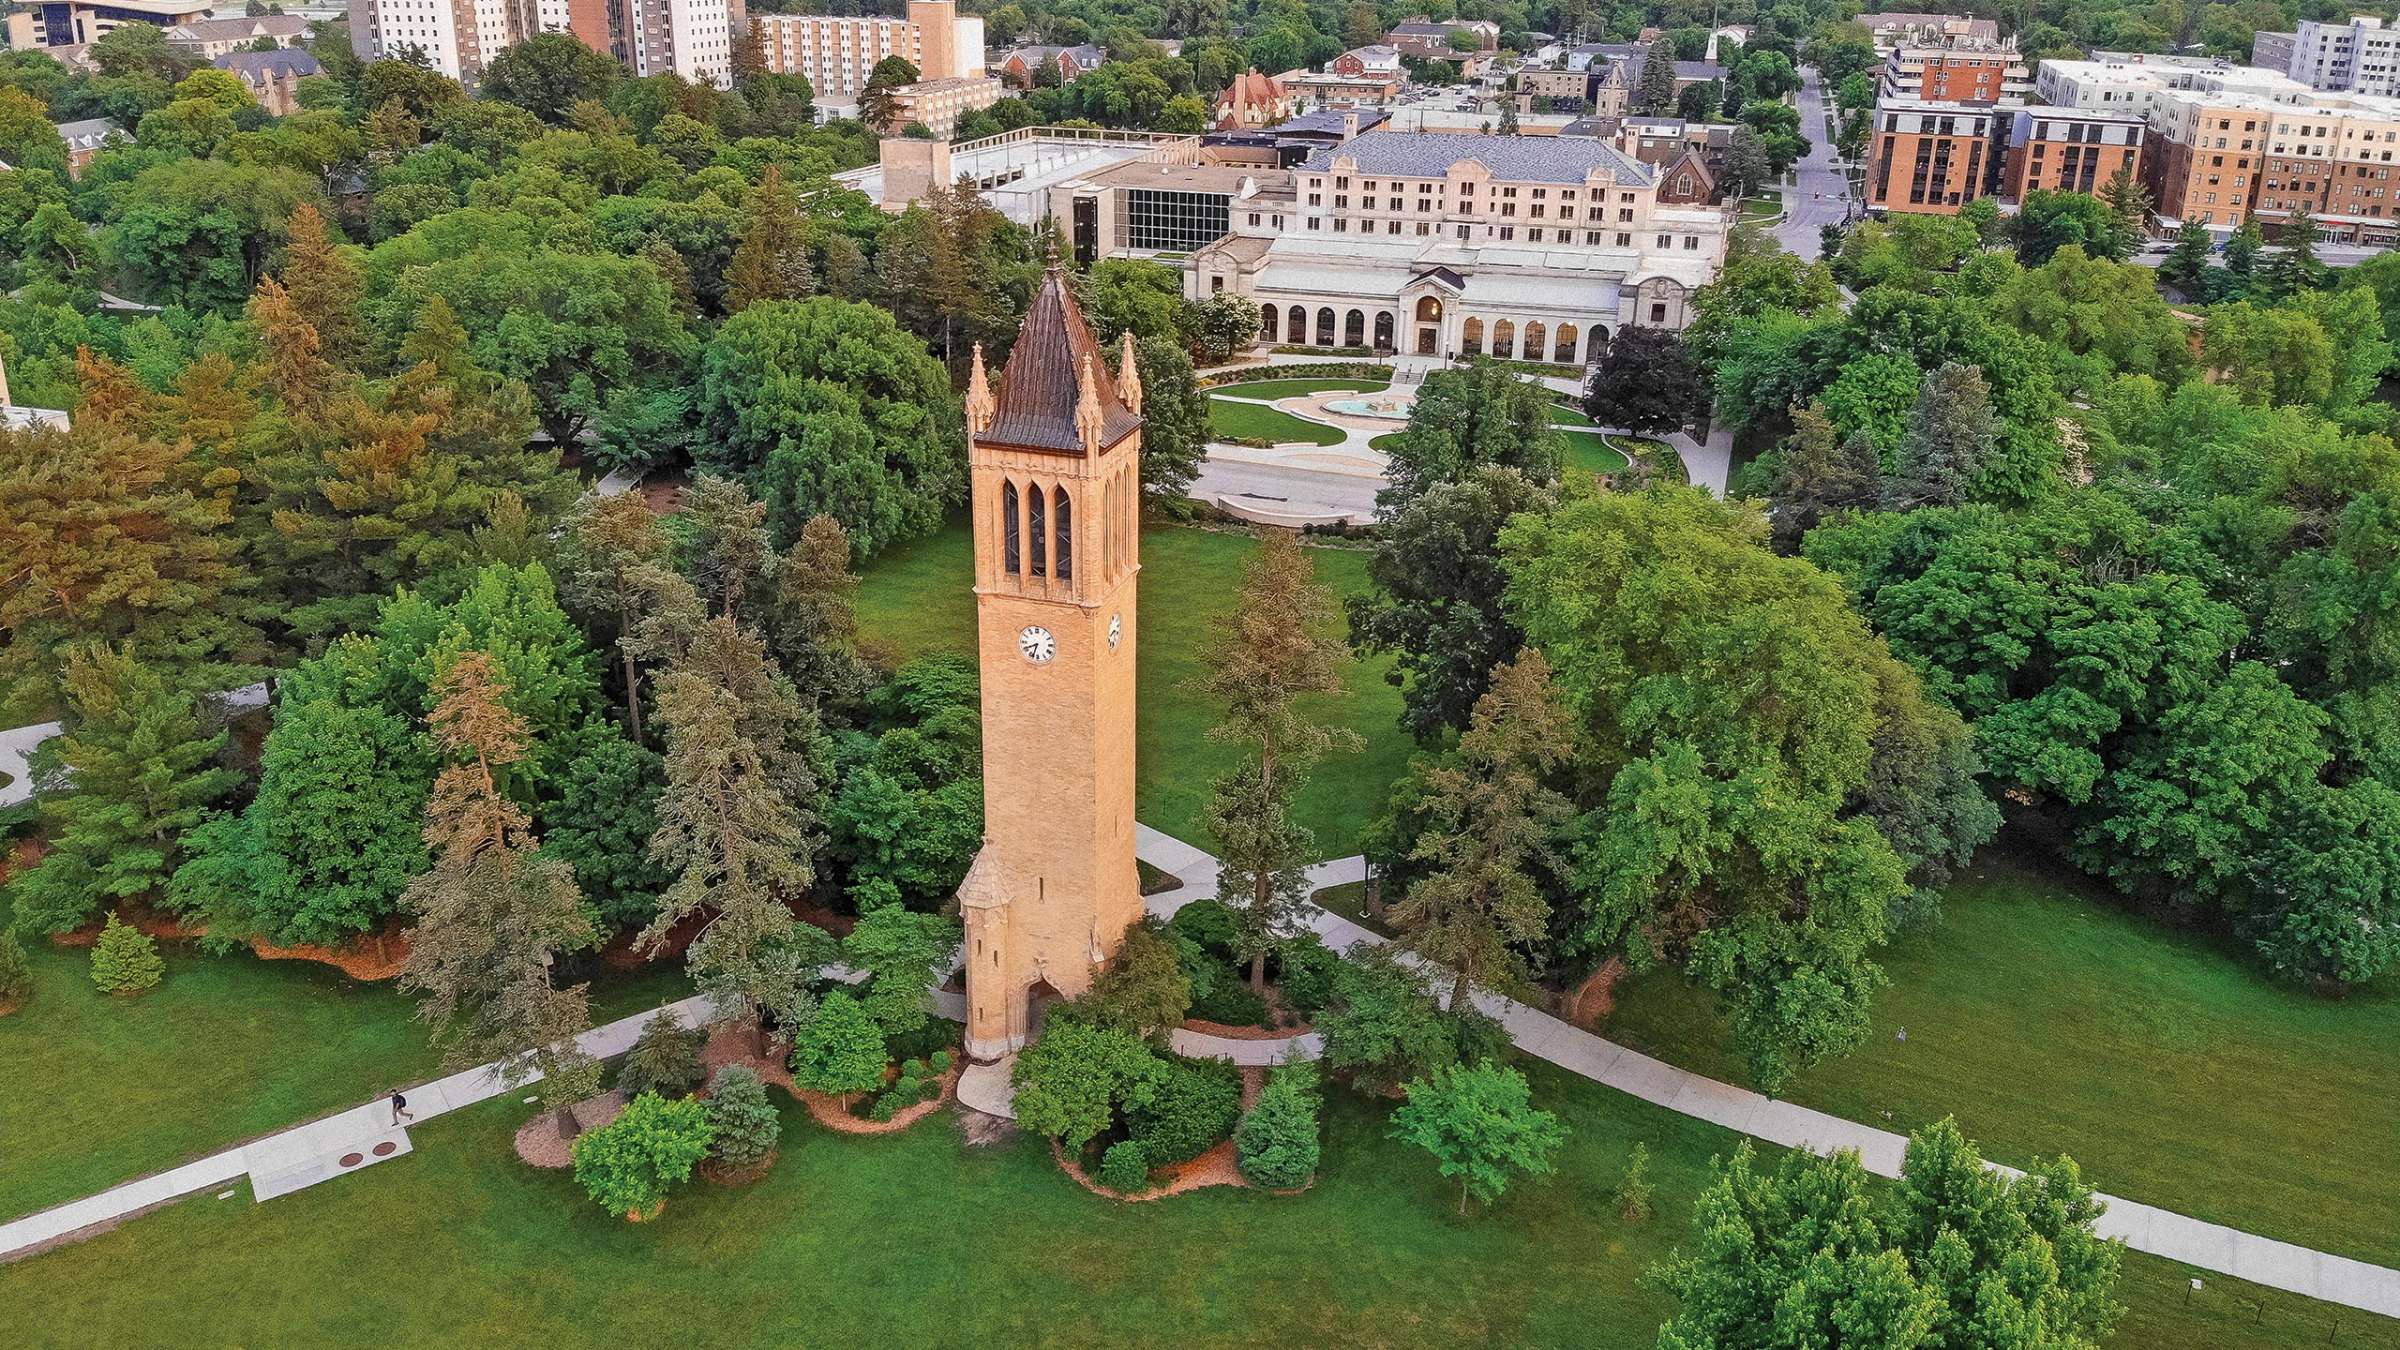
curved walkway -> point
(2143, 1228)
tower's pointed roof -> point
(1042, 384)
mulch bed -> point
(538, 1140)
(738, 1044)
(1217, 1167)
(1589, 1003)
(368, 960)
(163, 927)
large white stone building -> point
(2358, 55)
(1535, 248)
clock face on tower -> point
(1116, 630)
(1037, 644)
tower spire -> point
(980, 404)
(1129, 379)
(1090, 424)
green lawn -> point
(1385, 442)
(1589, 451)
(918, 598)
(917, 1239)
(1231, 420)
(2176, 1074)
(1291, 388)
(1350, 901)
(102, 1090)
(1564, 415)
(1762, 207)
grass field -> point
(1562, 415)
(1290, 388)
(918, 598)
(2051, 1021)
(916, 1239)
(1231, 420)
(102, 1090)
(1587, 450)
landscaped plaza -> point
(1366, 677)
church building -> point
(1054, 457)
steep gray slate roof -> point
(271, 64)
(1521, 159)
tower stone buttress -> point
(1054, 457)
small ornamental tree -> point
(1480, 1124)
(745, 1122)
(1276, 1143)
(125, 960)
(16, 978)
(841, 1050)
(665, 1059)
(627, 1164)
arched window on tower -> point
(1066, 536)
(1036, 531)
(1011, 561)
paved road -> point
(2332, 255)
(1820, 198)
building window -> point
(1666, 241)
(1036, 540)
(1658, 314)
(1066, 536)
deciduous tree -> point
(1479, 1122)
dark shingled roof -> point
(1035, 406)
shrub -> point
(745, 1123)
(1125, 1168)
(1304, 970)
(1633, 1193)
(1276, 1143)
(941, 1062)
(627, 1164)
(905, 1092)
(935, 1037)
(1071, 1083)
(665, 1059)
(1190, 1111)
(1210, 924)
(840, 1051)
(16, 978)
(1228, 998)
(1145, 987)
(125, 960)
(1299, 370)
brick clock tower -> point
(1055, 459)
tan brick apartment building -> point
(1933, 156)
(2069, 150)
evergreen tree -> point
(16, 977)
(1951, 438)
(840, 1051)
(2241, 255)
(108, 541)
(2130, 203)
(734, 822)
(747, 1124)
(772, 262)
(1276, 1142)
(665, 1058)
(2295, 268)
(726, 548)
(1272, 652)
(1815, 477)
(615, 546)
(324, 288)
(125, 959)
(136, 769)
(493, 914)
(2186, 266)
(1489, 816)
(1654, 95)
(813, 626)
